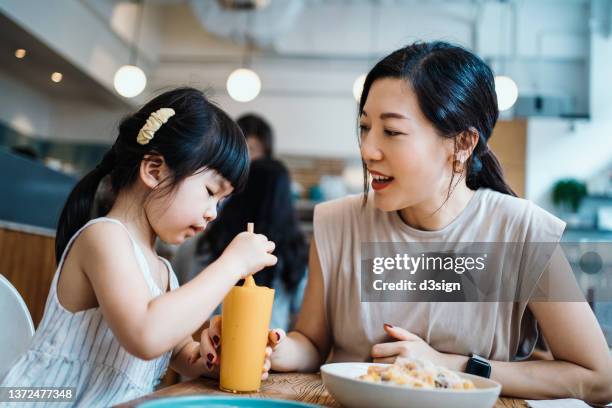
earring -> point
(457, 166)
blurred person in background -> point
(258, 135)
(267, 202)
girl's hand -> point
(195, 362)
(252, 252)
(408, 345)
(210, 344)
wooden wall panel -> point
(28, 262)
(509, 143)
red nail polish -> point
(210, 357)
(387, 325)
(216, 340)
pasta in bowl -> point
(416, 374)
(407, 384)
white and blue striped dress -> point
(79, 350)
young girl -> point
(115, 316)
(426, 114)
(266, 201)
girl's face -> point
(408, 162)
(188, 210)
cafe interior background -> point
(64, 86)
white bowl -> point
(342, 383)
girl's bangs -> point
(226, 152)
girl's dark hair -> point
(456, 92)
(266, 201)
(199, 135)
(253, 125)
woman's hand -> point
(210, 344)
(407, 345)
(250, 253)
(275, 337)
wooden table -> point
(299, 387)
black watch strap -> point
(478, 366)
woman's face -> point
(256, 148)
(400, 145)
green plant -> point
(569, 193)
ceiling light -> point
(57, 77)
(507, 92)
(243, 85)
(129, 81)
(358, 86)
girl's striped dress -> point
(79, 350)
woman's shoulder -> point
(535, 222)
(506, 205)
(334, 219)
(338, 208)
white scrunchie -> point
(154, 122)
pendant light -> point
(243, 84)
(374, 26)
(130, 80)
(358, 86)
(505, 87)
(507, 92)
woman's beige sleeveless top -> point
(501, 331)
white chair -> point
(16, 326)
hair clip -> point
(154, 122)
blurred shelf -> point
(598, 197)
(588, 230)
(304, 204)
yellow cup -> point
(245, 324)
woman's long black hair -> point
(265, 201)
(199, 135)
(456, 92)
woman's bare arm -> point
(307, 347)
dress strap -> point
(172, 279)
(140, 258)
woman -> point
(259, 136)
(426, 114)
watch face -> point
(478, 366)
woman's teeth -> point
(381, 179)
(379, 182)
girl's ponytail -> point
(78, 207)
(197, 136)
(486, 171)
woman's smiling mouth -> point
(379, 180)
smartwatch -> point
(478, 366)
